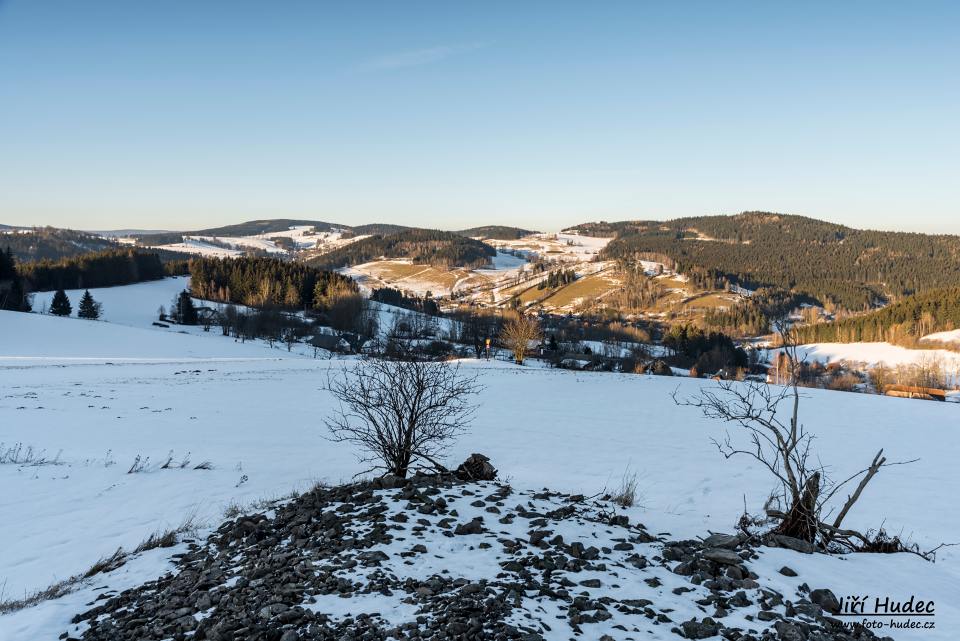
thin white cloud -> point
(416, 58)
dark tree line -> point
(13, 295)
(395, 297)
(708, 351)
(98, 269)
(496, 232)
(903, 322)
(268, 283)
(557, 278)
(51, 243)
(423, 246)
(753, 315)
(836, 265)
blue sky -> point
(184, 114)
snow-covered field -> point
(256, 415)
(132, 305)
(952, 336)
(201, 248)
(871, 354)
(303, 237)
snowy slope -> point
(193, 246)
(952, 336)
(135, 305)
(575, 432)
(258, 419)
(32, 339)
(874, 353)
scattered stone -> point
(266, 576)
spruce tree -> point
(89, 308)
(60, 306)
(186, 312)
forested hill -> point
(249, 228)
(903, 322)
(424, 246)
(496, 232)
(852, 268)
(273, 225)
(51, 243)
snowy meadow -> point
(135, 430)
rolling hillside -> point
(833, 264)
(424, 246)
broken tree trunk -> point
(801, 520)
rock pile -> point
(439, 558)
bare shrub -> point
(139, 465)
(162, 539)
(55, 591)
(799, 507)
(625, 494)
(518, 333)
(843, 382)
(17, 454)
(107, 564)
(400, 412)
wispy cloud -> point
(418, 57)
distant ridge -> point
(834, 264)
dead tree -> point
(401, 413)
(783, 447)
(517, 335)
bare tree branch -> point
(400, 412)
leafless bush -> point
(139, 465)
(17, 454)
(782, 446)
(843, 382)
(400, 412)
(142, 464)
(107, 564)
(162, 539)
(517, 335)
(55, 591)
(625, 494)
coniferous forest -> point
(96, 269)
(836, 265)
(267, 283)
(52, 243)
(903, 322)
(422, 246)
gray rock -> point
(785, 571)
(787, 631)
(720, 555)
(726, 541)
(826, 600)
(694, 629)
(473, 527)
(477, 468)
(797, 545)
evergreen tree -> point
(60, 306)
(13, 296)
(186, 312)
(89, 308)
